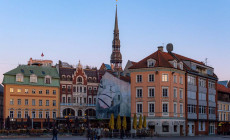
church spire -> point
(116, 57)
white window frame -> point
(137, 107)
(10, 114)
(152, 78)
(174, 78)
(139, 88)
(175, 109)
(19, 77)
(181, 92)
(153, 88)
(165, 77)
(174, 89)
(47, 77)
(40, 113)
(165, 113)
(181, 80)
(151, 63)
(163, 91)
(140, 79)
(151, 113)
(33, 78)
(181, 111)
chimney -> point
(161, 48)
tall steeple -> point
(116, 57)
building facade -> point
(201, 97)
(158, 92)
(31, 90)
(78, 88)
(1, 106)
(223, 109)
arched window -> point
(151, 62)
(79, 80)
(63, 77)
(68, 78)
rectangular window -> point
(40, 91)
(40, 102)
(11, 114)
(33, 114)
(69, 88)
(11, 101)
(33, 91)
(139, 107)
(47, 102)
(175, 109)
(47, 114)
(54, 102)
(181, 80)
(19, 90)
(33, 102)
(202, 109)
(11, 90)
(19, 102)
(69, 99)
(139, 78)
(175, 128)
(139, 92)
(54, 115)
(202, 96)
(40, 114)
(202, 83)
(47, 91)
(165, 108)
(151, 91)
(174, 79)
(63, 88)
(165, 77)
(26, 91)
(26, 114)
(165, 128)
(191, 80)
(175, 92)
(181, 109)
(181, 93)
(19, 114)
(151, 108)
(165, 91)
(63, 100)
(191, 108)
(26, 101)
(151, 77)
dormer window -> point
(151, 63)
(174, 64)
(68, 78)
(181, 65)
(48, 80)
(19, 77)
(33, 78)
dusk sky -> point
(73, 30)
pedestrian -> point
(55, 132)
(98, 133)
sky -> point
(73, 30)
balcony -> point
(202, 116)
(212, 116)
(212, 91)
(202, 90)
(192, 116)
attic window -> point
(22, 70)
(181, 65)
(31, 71)
(174, 64)
(19, 77)
(48, 80)
(151, 63)
(33, 78)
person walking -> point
(55, 132)
(98, 133)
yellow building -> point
(32, 91)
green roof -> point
(39, 71)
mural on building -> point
(113, 96)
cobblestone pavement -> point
(154, 138)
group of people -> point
(94, 133)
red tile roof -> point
(183, 58)
(222, 88)
(162, 60)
